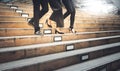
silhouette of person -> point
(70, 11)
(38, 13)
(56, 16)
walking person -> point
(70, 11)
(38, 14)
(56, 16)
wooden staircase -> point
(97, 39)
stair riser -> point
(114, 66)
(4, 7)
(97, 29)
(16, 32)
(24, 41)
(95, 43)
(7, 10)
(19, 32)
(14, 25)
(46, 39)
(12, 19)
(9, 14)
(55, 64)
(25, 10)
(24, 6)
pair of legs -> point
(38, 13)
(57, 15)
(70, 11)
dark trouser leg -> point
(36, 6)
(44, 10)
(72, 18)
(57, 15)
(44, 4)
(70, 11)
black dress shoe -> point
(37, 33)
(72, 30)
(59, 32)
(31, 22)
(48, 24)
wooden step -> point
(44, 31)
(24, 25)
(10, 11)
(15, 31)
(50, 62)
(23, 5)
(7, 10)
(23, 31)
(10, 18)
(21, 40)
(4, 6)
(12, 7)
(14, 24)
(5, 23)
(89, 65)
(9, 14)
(28, 7)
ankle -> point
(71, 27)
(49, 21)
(58, 29)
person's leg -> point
(36, 7)
(57, 15)
(43, 11)
(70, 11)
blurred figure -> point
(56, 16)
(38, 13)
(70, 11)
